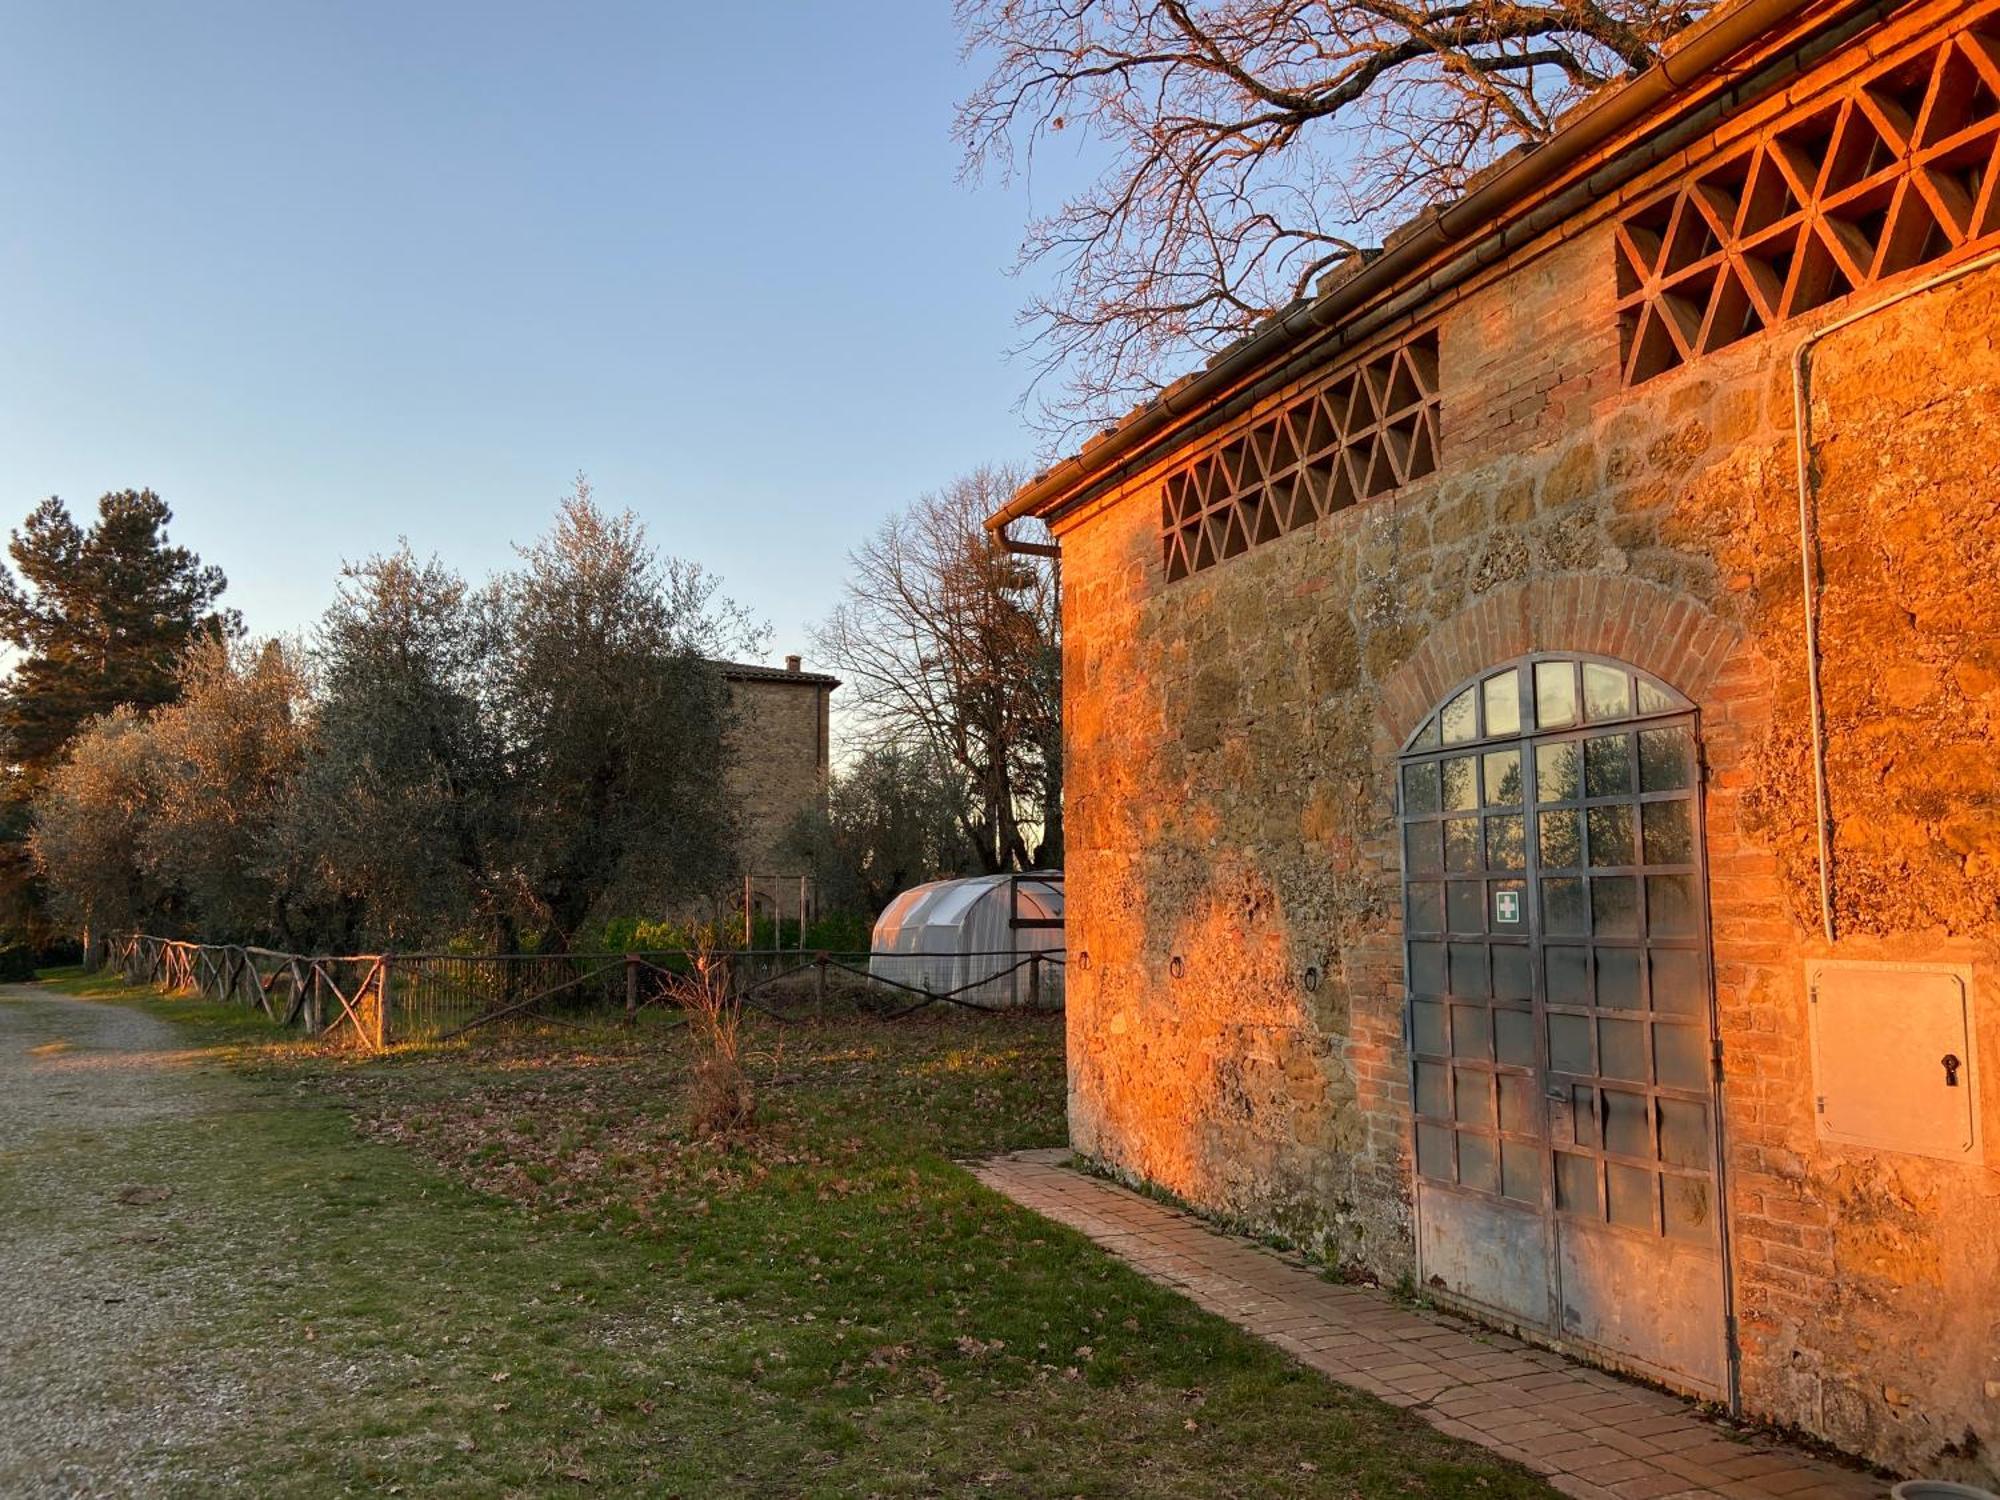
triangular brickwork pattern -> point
(1898, 168)
(1369, 429)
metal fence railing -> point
(378, 998)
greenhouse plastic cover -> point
(958, 936)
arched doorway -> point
(1559, 1015)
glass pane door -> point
(1558, 1015)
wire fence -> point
(374, 999)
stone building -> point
(779, 755)
(1528, 832)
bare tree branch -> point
(949, 646)
(1251, 145)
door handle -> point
(1951, 1067)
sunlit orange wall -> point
(1230, 813)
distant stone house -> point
(779, 758)
(1528, 834)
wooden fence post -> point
(382, 993)
(631, 989)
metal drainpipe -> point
(1809, 549)
(1010, 543)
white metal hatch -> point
(1894, 1065)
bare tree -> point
(950, 646)
(1254, 144)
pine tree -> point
(97, 618)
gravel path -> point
(91, 1294)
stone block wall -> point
(778, 743)
(1236, 985)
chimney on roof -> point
(793, 663)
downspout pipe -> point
(1705, 48)
(1808, 486)
(1016, 545)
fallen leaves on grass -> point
(596, 1128)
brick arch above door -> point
(1666, 634)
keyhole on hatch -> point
(1951, 1066)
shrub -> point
(719, 1097)
(835, 932)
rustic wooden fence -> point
(373, 999)
(326, 994)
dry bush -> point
(719, 1096)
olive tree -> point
(96, 617)
(392, 833)
(892, 820)
(89, 821)
(227, 754)
(612, 719)
(444, 762)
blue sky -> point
(324, 274)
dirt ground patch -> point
(92, 1399)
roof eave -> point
(1696, 57)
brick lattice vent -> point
(1894, 170)
(1370, 428)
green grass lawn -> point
(503, 1268)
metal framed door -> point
(1559, 1019)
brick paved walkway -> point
(1593, 1434)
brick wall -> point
(1234, 877)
